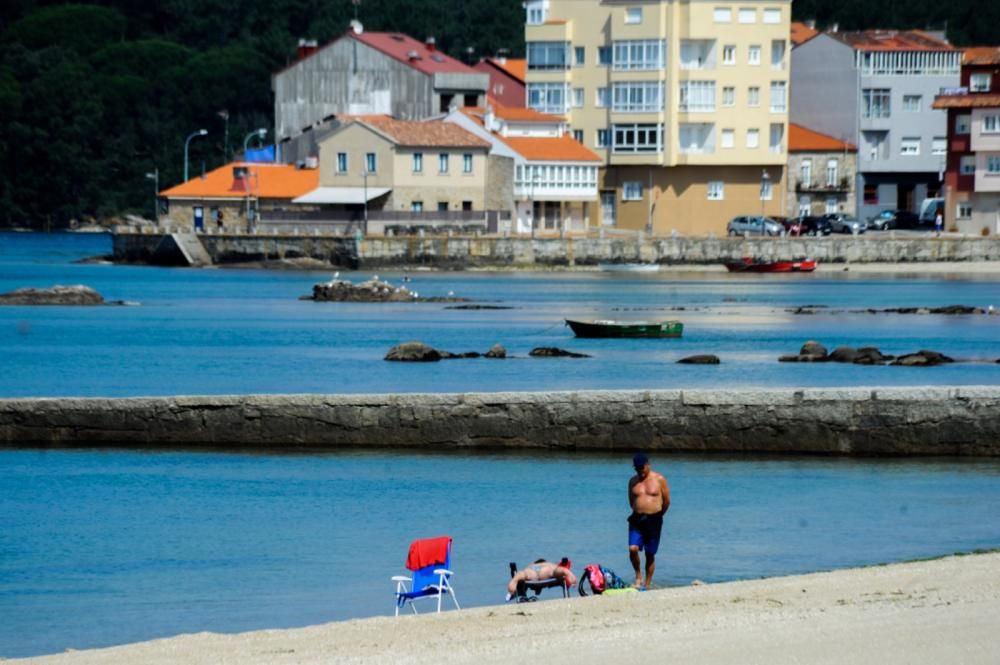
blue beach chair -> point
(430, 561)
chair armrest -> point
(443, 571)
(401, 578)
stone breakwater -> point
(849, 421)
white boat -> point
(628, 267)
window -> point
(638, 97)
(697, 54)
(908, 63)
(697, 96)
(632, 190)
(979, 83)
(748, 16)
(729, 54)
(716, 190)
(805, 171)
(578, 135)
(965, 210)
(637, 138)
(832, 174)
(831, 205)
(729, 96)
(722, 15)
(442, 206)
(417, 206)
(341, 162)
(876, 144)
(772, 16)
(579, 56)
(728, 139)
(548, 97)
(967, 165)
(544, 56)
(777, 136)
(602, 138)
(939, 145)
(418, 162)
(443, 162)
(753, 96)
(467, 163)
(963, 124)
(753, 138)
(638, 54)
(993, 165)
(909, 145)
(608, 202)
(536, 12)
(991, 124)
(805, 205)
(871, 195)
(766, 189)
(778, 54)
(753, 55)
(578, 98)
(696, 138)
(371, 162)
(603, 98)
(633, 15)
(778, 103)
(911, 103)
(604, 55)
(875, 103)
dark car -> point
(792, 226)
(894, 219)
(812, 225)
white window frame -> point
(343, 163)
(909, 146)
(967, 165)
(729, 96)
(467, 162)
(695, 138)
(716, 190)
(805, 205)
(603, 138)
(779, 49)
(963, 124)
(727, 138)
(722, 15)
(805, 171)
(632, 190)
(371, 162)
(939, 145)
(637, 137)
(638, 55)
(578, 98)
(729, 54)
(831, 205)
(637, 97)
(832, 172)
(603, 98)
(417, 162)
(753, 138)
(963, 210)
(551, 50)
(912, 103)
(779, 97)
(993, 165)
(696, 96)
(548, 97)
(746, 15)
(753, 55)
(753, 96)
(536, 12)
(991, 124)
(633, 15)
(980, 82)
(772, 16)
(766, 190)
(876, 103)
(416, 206)
(776, 137)
(579, 56)
(443, 162)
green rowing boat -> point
(626, 328)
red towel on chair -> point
(428, 552)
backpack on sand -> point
(600, 579)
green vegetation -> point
(94, 96)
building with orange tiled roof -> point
(802, 32)
(410, 172)
(874, 89)
(821, 170)
(234, 196)
(555, 176)
(506, 79)
(972, 174)
(363, 73)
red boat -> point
(750, 264)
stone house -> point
(821, 172)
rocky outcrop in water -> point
(866, 355)
(56, 295)
(952, 310)
(811, 352)
(372, 290)
(554, 352)
(497, 351)
(419, 352)
(923, 358)
(700, 359)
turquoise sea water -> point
(102, 547)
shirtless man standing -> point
(649, 497)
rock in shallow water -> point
(56, 295)
(700, 359)
(554, 352)
(413, 352)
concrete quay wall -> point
(457, 252)
(848, 421)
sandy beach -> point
(940, 611)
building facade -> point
(506, 79)
(972, 177)
(685, 102)
(875, 89)
(367, 73)
(821, 174)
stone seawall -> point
(459, 252)
(849, 421)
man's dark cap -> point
(640, 460)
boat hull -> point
(628, 267)
(750, 265)
(617, 329)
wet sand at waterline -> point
(940, 611)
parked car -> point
(842, 223)
(894, 219)
(812, 225)
(792, 226)
(759, 226)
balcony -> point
(819, 186)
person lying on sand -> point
(541, 570)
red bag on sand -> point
(595, 576)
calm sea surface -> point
(102, 547)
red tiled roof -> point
(516, 67)
(892, 40)
(981, 55)
(550, 149)
(420, 134)
(802, 33)
(267, 181)
(513, 113)
(803, 139)
(400, 46)
(975, 100)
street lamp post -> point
(154, 175)
(187, 142)
(364, 176)
(765, 189)
(259, 133)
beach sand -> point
(934, 612)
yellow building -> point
(685, 101)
